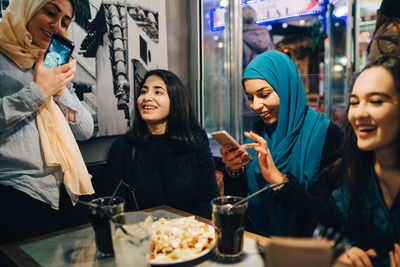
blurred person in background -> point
(385, 39)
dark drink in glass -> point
(229, 223)
(100, 217)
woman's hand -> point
(358, 257)
(267, 166)
(395, 256)
(52, 82)
(234, 159)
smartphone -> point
(59, 51)
(224, 138)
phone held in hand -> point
(59, 51)
(224, 138)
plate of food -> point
(180, 240)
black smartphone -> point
(59, 51)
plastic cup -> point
(131, 235)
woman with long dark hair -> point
(165, 157)
(370, 198)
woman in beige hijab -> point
(40, 117)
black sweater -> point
(165, 173)
(309, 207)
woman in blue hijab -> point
(290, 143)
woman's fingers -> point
(53, 81)
(224, 149)
(391, 257)
(262, 154)
(395, 256)
(358, 257)
(234, 159)
(250, 146)
(67, 67)
(261, 141)
(240, 164)
(371, 253)
(40, 59)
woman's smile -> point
(374, 109)
(266, 115)
(148, 108)
(154, 103)
(366, 131)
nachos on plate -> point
(180, 239)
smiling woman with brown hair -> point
(370, 197)
(40, 117)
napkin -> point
(299, 252)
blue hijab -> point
(295, 141)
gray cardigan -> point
(22, 164)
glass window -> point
(217, 93)
(222, 69)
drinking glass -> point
(229, 223)
(131, 235)
(100, 216)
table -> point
(76, 247)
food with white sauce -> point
(180, 239)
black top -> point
(165, 173)
(309, 208)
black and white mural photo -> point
(117, 41)
(3, 6)
(146, 19)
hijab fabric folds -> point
(15, 40)
(296, 140)
(57, 140)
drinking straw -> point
(92, 205)
(114, 193)
(257, 192)
(133, 194)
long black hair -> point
(356, 158)
(182, 124)
(358, 163)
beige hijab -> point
(58, 143)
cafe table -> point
(76, 247)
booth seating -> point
(99, 172)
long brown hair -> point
(359, 164)
(386, 37)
